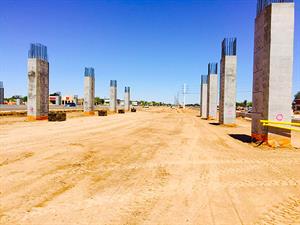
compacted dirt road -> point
(159, 167)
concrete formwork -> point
(38, 83)
(89, 91)
(273, 69)
(227, 102)
(1, 93)
(127, 99)
(212, 91)
(203, 97)
(113, 96)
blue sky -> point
(152, 46)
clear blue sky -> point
(152, 46)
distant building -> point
(55, 100)
(69, 99)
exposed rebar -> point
(38, 51)
(229, 47)
(127, 89)
(89, 72)
(212, 68)
(261, 4)
(203, 79)
(113, 83)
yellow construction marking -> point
(276, 124)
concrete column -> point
(127, 99)
(38, 83)
(18, 101)
(227, 102)
(76, 99)
(273, 69)
(89, 91)
(203, 97)
(212, 91)
(113, 96)
(1, 93)
(58, 100)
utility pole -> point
(184, 93)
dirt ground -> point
(155, 167)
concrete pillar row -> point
(127, 99)
(89, 91)
(38, 83)
(203, 97)
(113, 96)
(1, 93)
(227, 102)
(272, 71)
(212, 91)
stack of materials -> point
(121, 111)
(102, 112)
(57, 116)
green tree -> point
(297, 96)
(99, 101)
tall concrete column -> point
(212, 91)
(1, 93)
(38, 83)
(113, 96)
(18, 101)
(273, 69)
(203, 97)
(127, 99)
(227, 102)
(89, 91)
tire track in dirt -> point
(284, 212)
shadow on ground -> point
(215, 124)
(242, 137)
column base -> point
(211, 118)
(35, 118)
(92, 113)
(229, 125)
(273, 140)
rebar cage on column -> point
(38, 51)
(127, 89)
(89, 72)
(212, 68)
(203, 79)
(262, 4)
(229, 47)
(113, 83)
